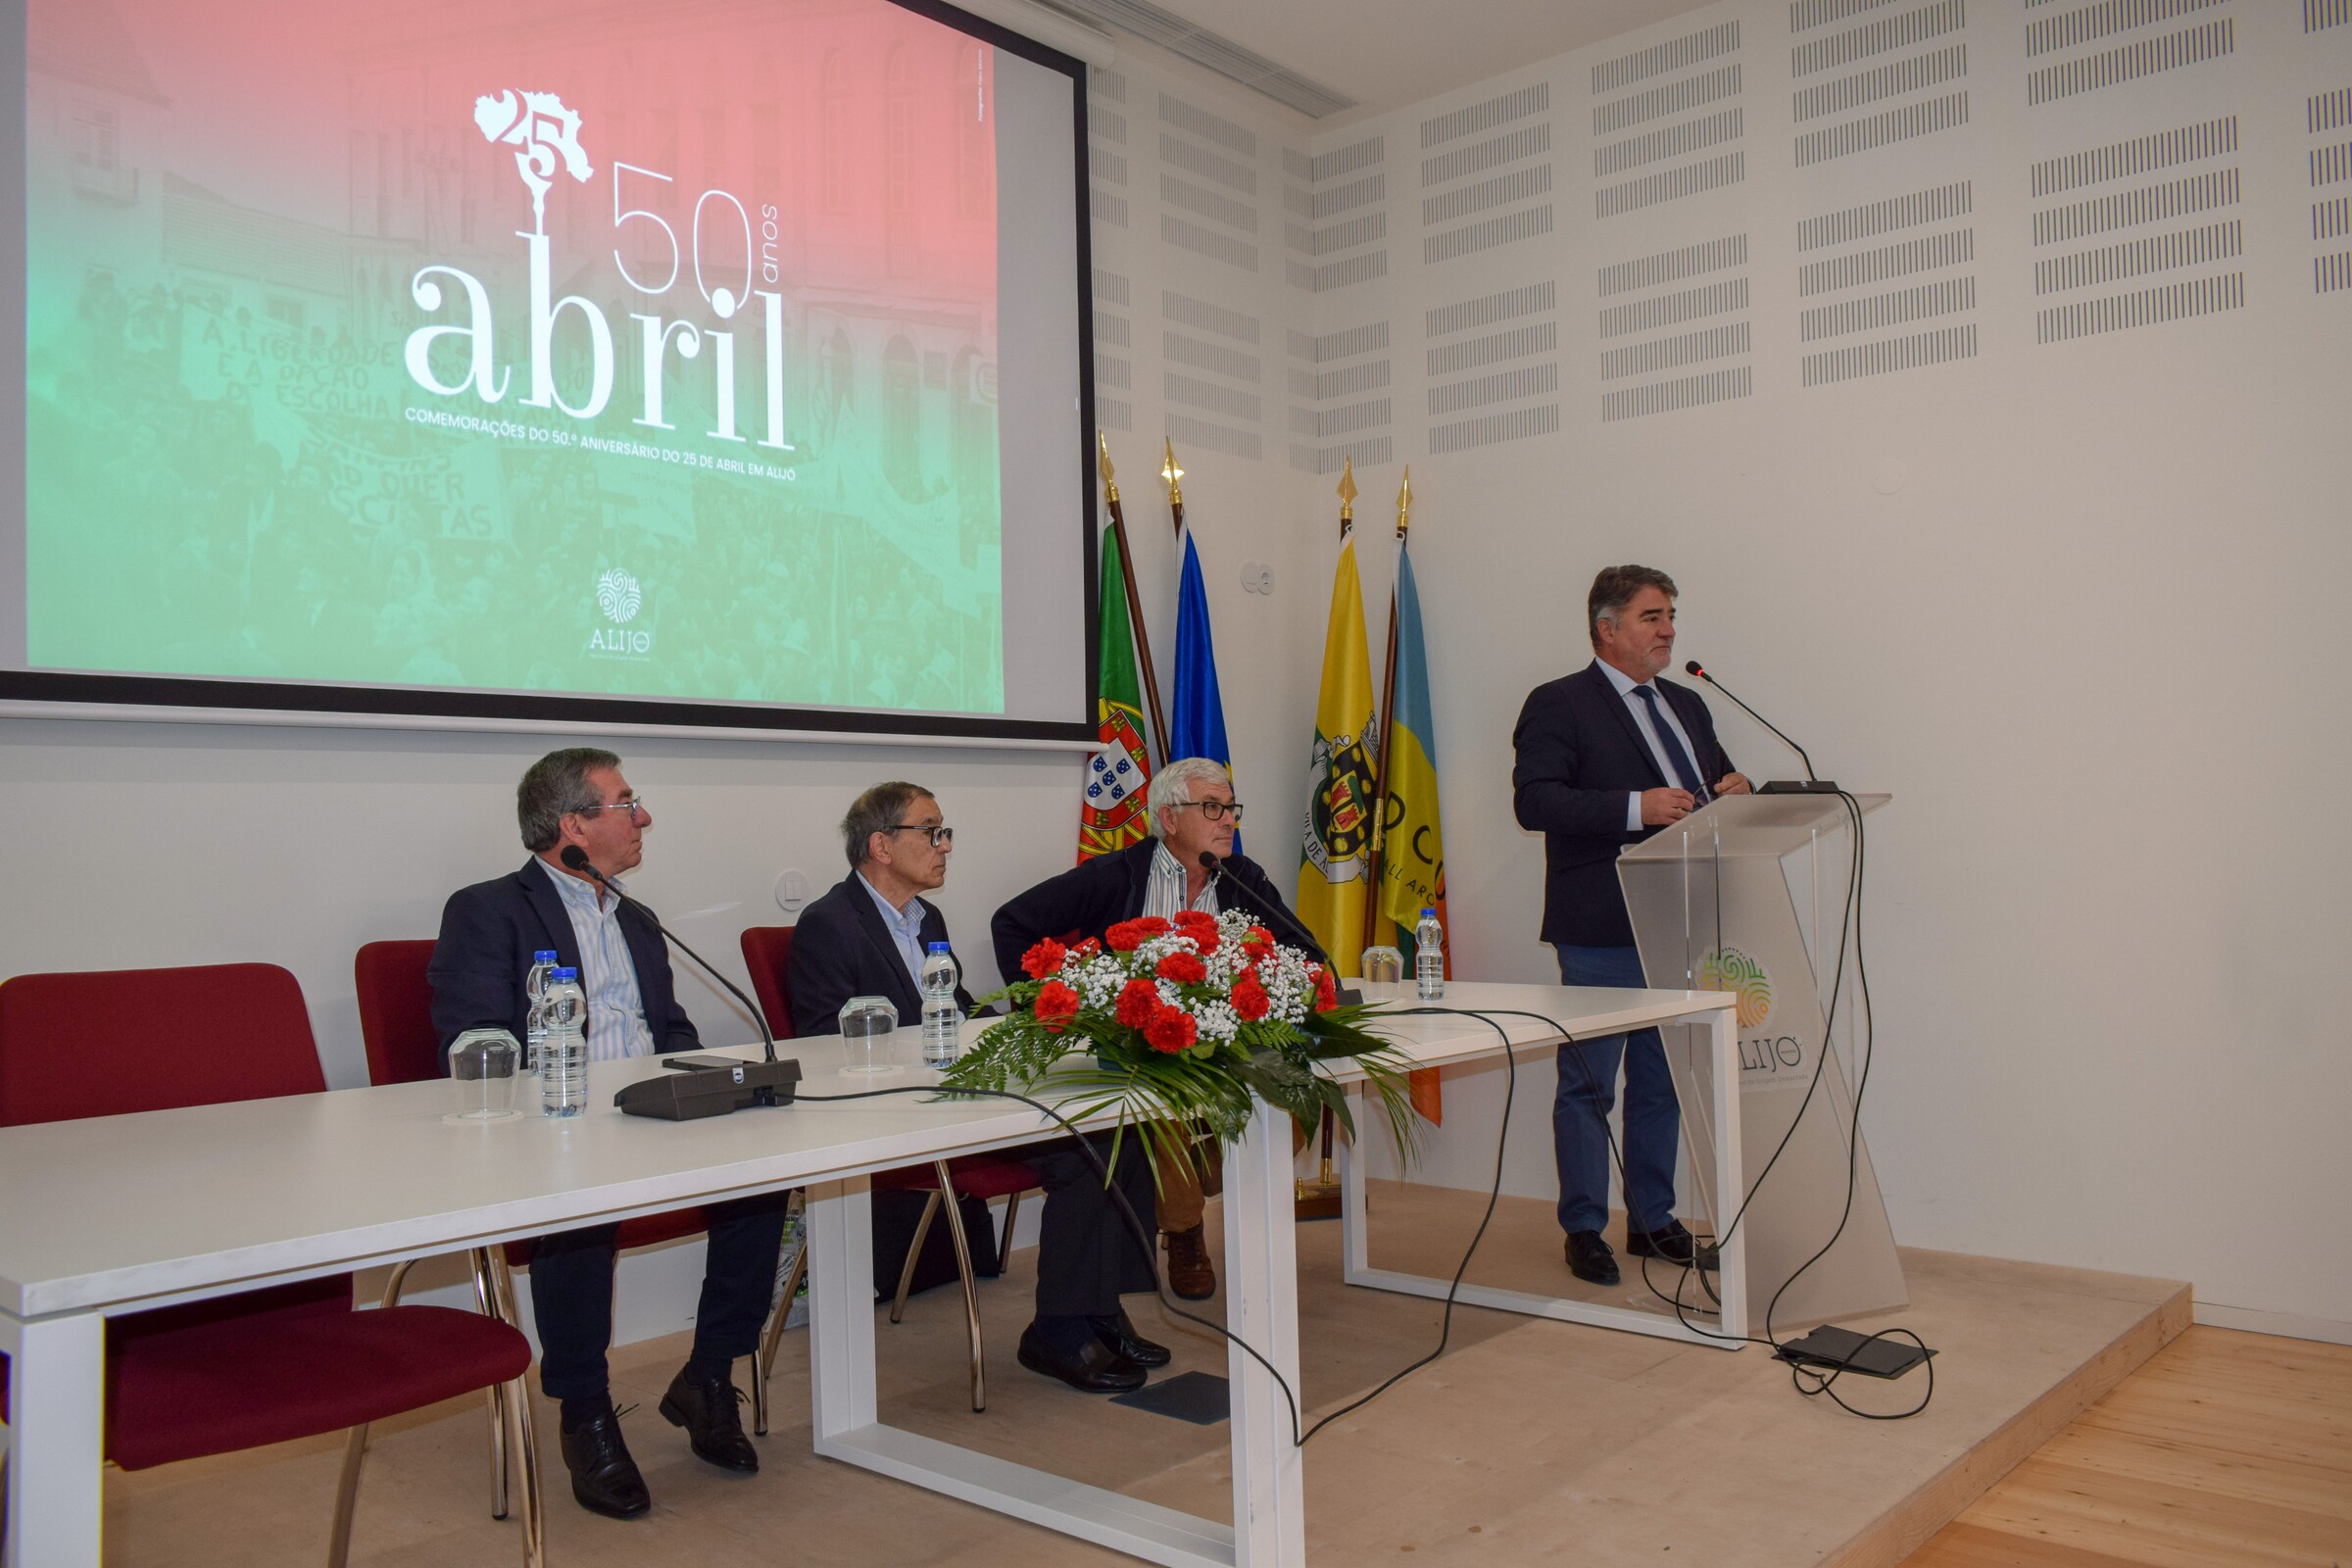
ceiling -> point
(1387, 53)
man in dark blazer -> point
(1192, 813)
(489, 933)
(1607, 757)
(868, 936)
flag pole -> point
(1135, 603)
(1388, 726)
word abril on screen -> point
(548, 141)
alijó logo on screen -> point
(547, 137)
(619, 597)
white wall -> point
(2091, 641)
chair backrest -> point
(396, 1012)
(767, 953)
(108, 1042)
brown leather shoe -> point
(1190, 1275)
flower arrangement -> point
(1185, 1019)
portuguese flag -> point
(1111, 815)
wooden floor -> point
(2226, 1449)
(1530, 1443)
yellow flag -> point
(1337, 841)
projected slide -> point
(501, 346)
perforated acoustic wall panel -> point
(2138, 231)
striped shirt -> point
(1163, 891)
(905, 931)
(617, 1026)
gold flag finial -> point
(1347, 493)
(1405, 502)
(1172, 473)
(1110, 485)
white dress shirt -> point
(615, 1021)
(1163, 888)
(1626, 686)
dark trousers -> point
(572, 1293)
(1087, 1257)
(1588, 1091)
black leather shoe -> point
(603, 1477)
(1673, 1244)
(1118, 1335)
(706, 1409)
(1092, 1368)
(1589, 1259)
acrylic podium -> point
(1746, 895)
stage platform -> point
(1529, 1442)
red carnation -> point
(1139, 1001)
(1327, 992)
(1171, 1030)
(1126, 936)
(1201, 927)
(1184, 968)
(1257, 941)
(1044, 959)
(1249, 999)
(1056, 1005)
(1152, 925)
(1086, 949)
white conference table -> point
(124, 1213)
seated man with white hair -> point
(1192, 813)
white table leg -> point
(1731, 1180)
(841, 1308)
(1262, 1297)
(57, 1441)
(1356, 1243)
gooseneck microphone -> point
(577, 859)
(1808, 785)
(1281, 916)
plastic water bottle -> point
(563, 1059)
(1429, 956)
(940, 1016)
(534, 986)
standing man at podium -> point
(1605, 758)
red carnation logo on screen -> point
(541, 131)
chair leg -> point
(485, 1295)
(772, 1341)
(1012, 1209)
(399, 1279)
(347, 1497)
(522, 1438)
(914, 1248)
(971, 1290)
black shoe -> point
(603, 1477)
(1092, 1368)
(1589, 1259)
(706, 1409)
(1673, 1244)
(1118, 1335)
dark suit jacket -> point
(1106, 890)
(1580, 754)
(488, 934)
(841, 949)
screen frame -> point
(146, 698)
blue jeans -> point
(1580, 1108)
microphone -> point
(577, 859)
(1808, 785)
(1281, 916)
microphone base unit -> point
(1799, 786)
(697, 1092)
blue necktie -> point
(1673, 745)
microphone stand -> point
(577, 859)
(1808, 785)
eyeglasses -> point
(636, 807)
(1214, 810)
(940, 837)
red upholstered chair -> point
(766, 953)
(396, 1021)
(263, 1366)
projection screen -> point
(721, 365)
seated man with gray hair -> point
(1193, 813)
